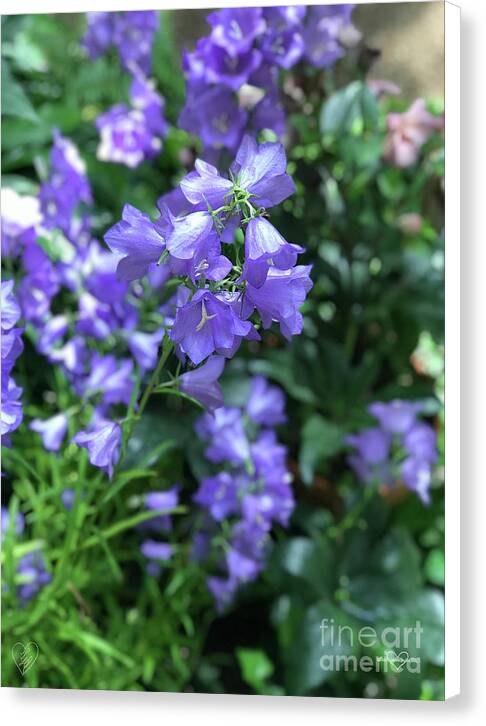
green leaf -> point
(351, 108)
(310, 643)
(435, 566)
(321, 439)
(256, 668)
(14, 99)
(306, 559)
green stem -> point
(352, 517)
(166, 350)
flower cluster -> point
(12, 347)
(130, 135)
(242, 502)
(65, 189)
(131, 33)
(220, 292)
(402, 448)
(408, 132)
(56, 257)
(232, 75)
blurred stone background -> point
(409, 36)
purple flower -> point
(219, 495)
(156, 550)
(328, 30)
(204, 186)
(397, 417)
(11, 348)
(124, 137)
(208, 324)
(213, 114)
(372, 445)
(279, 298)
(380, 451)
(137, 240)
(145, 348)
(68, 497)
(109, 377)
(246, 553)
(284, 48)
(264, 247)
(33, 571)
(188, 233)
(39, 285)
(417, 476)
(52, 430)
(10, 309)
(260, 170)
(132, 33)
(167, 499)
(131, 135)
(67, 186)
(202, 383)
(222, 590)
(99, 32)
(6, 524)
(235, 29)
(266, 403)
(420, 441)
(213, 64)
(224, 429)
(103, 443)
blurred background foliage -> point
(373, 331)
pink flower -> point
(408, 132)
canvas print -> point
(222, 351)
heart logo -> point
(25, 656)
(398, 661)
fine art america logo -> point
(25, 655)
(395, 646)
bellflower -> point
(137, 240)
(265, 405)
(235, 29)
(33, 571)
(208, 324)
(280, 297)
(401, 449)
(145, 348)
(219, 495)
(52, 430)
(132, 33)
(102, 442)
(242, 43)
(18, 526)
(202, 383)
(129, 135)
(67, 186)
(226, 435)
(156, 550)
(11, 348)
(250, 495)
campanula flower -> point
(103, 443)
(137, 240)
(202, 383)
(52, 430)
